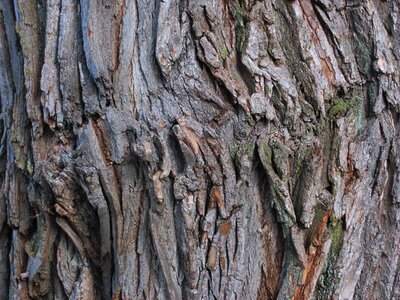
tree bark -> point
(199, 149)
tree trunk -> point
(199, 149)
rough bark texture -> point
(199, 149)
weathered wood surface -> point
(199, 149)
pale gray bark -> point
(199, 149)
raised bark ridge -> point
(199, 149)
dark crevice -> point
(245, 75)
(107, 286)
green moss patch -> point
(240, 15)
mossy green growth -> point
(240, 15)
(328, 280)
(246, 148)
(234, 148)
(265, 153)
(29, 167)
(223, 53)
(336, 230)
(322, 126)
(340, 106)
